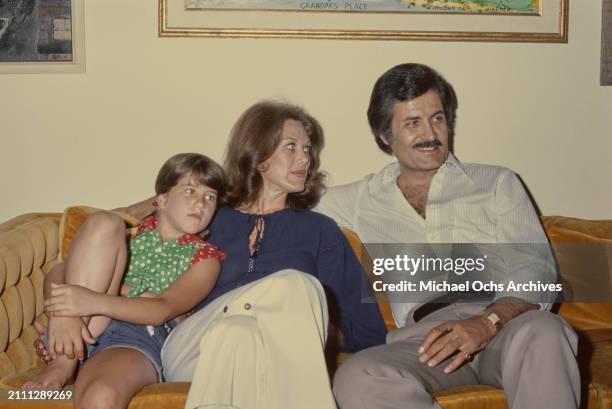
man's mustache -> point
(428, 144)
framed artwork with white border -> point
(438, 20)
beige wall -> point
(99, 138)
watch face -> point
(494, 319)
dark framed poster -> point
(606, 43)
(41, 36)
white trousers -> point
(259, 346)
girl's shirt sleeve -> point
(155, 265)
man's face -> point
(420, 133)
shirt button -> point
(225, 309)
(247, 306)
(449, 165)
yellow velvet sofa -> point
(29, 247)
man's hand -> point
(66, 336)
(466, 337)
(71, 301)
(140, 210)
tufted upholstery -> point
(29, 247)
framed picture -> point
(606, 43)
(41, 36)
(439, 20)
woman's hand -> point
(72, 301)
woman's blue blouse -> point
(306, 241)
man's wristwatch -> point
(492, 319)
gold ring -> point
(467, 355)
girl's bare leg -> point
(111, 378)
(96, 260)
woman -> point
(257, 340)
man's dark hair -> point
(403, 83)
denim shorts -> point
(146, 339)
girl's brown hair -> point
(200, 168)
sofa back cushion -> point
(73, 218)
(577, 244)
(583, 249)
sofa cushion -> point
(473, 396)
(595, 356)
(571, 230)
(73, 218)
(487, 397)
(604, 395)
(169, 395)
(583, 250)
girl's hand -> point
(71, 301)
(66, 336)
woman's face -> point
(286, 170)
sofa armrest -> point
(28, 249)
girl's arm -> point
(184, 294)
(66, 334)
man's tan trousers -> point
(532, 358)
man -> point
(428, 196)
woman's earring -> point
(262, 167)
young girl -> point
(171, 269)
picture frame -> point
(606, 43)
(42, 37)
(549, 25)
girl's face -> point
(286, 170)
(186, 208)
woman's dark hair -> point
(200, 168)
(254, 138)
(403, 83)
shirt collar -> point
(453, 163)
(150, 224)
(386, 178)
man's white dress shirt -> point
(466, 203)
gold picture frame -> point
(549, 26)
